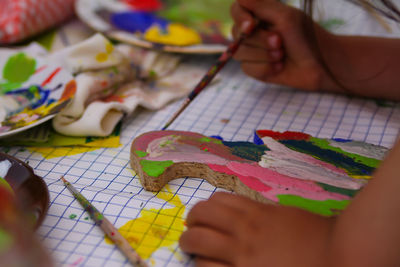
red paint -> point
(69, 91)
(40, 69)
(104, 83)
(112, 233)
(113, 98)
(250, 181)
(52, 75)
(283, 136)
(144, 5)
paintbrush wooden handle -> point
(113, 233)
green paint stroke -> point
(326, 208)
(19, 68)
(155, 168)
(208, 140)
(323, 143)
(6, 240)
(339, 190)
(72, 216)
(141, 154)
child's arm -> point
(229, 230)
(368, 232)
(287, 53)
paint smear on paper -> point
(155, 228)
(56, 152)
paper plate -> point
(170, 25)
(32, 91)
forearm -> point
(368, 232)
(364, 66)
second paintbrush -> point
(107, 227)
(208, 77)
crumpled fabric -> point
(113, 80)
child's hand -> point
(230, 230)
(284, 52)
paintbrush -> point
(107, 227)
(210, 74)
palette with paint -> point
(182, 26)
(290, 168)
(29, 189)
(32, 91)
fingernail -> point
(246, 26)
(273, 41)
(275, 54)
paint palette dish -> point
(30, 190)
(32, 91)
(181, 26)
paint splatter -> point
(155, 228)
(18, 69)
(225, 121)
(72, 216)
(104, 56)
(55, 152)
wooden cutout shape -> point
(290, 168)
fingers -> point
(208, 244)
(216, 215)
(204, 262)
(262, 71)
(242, 18)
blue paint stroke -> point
(131, 21)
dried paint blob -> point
(72, 216)
(137, 21)
(174, 34)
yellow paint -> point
(112, 141)
(109, 47)
(103, 56)
(361, 176)
(176, 34)
(155, 228)
(55, 152)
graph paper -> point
(233, 108)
